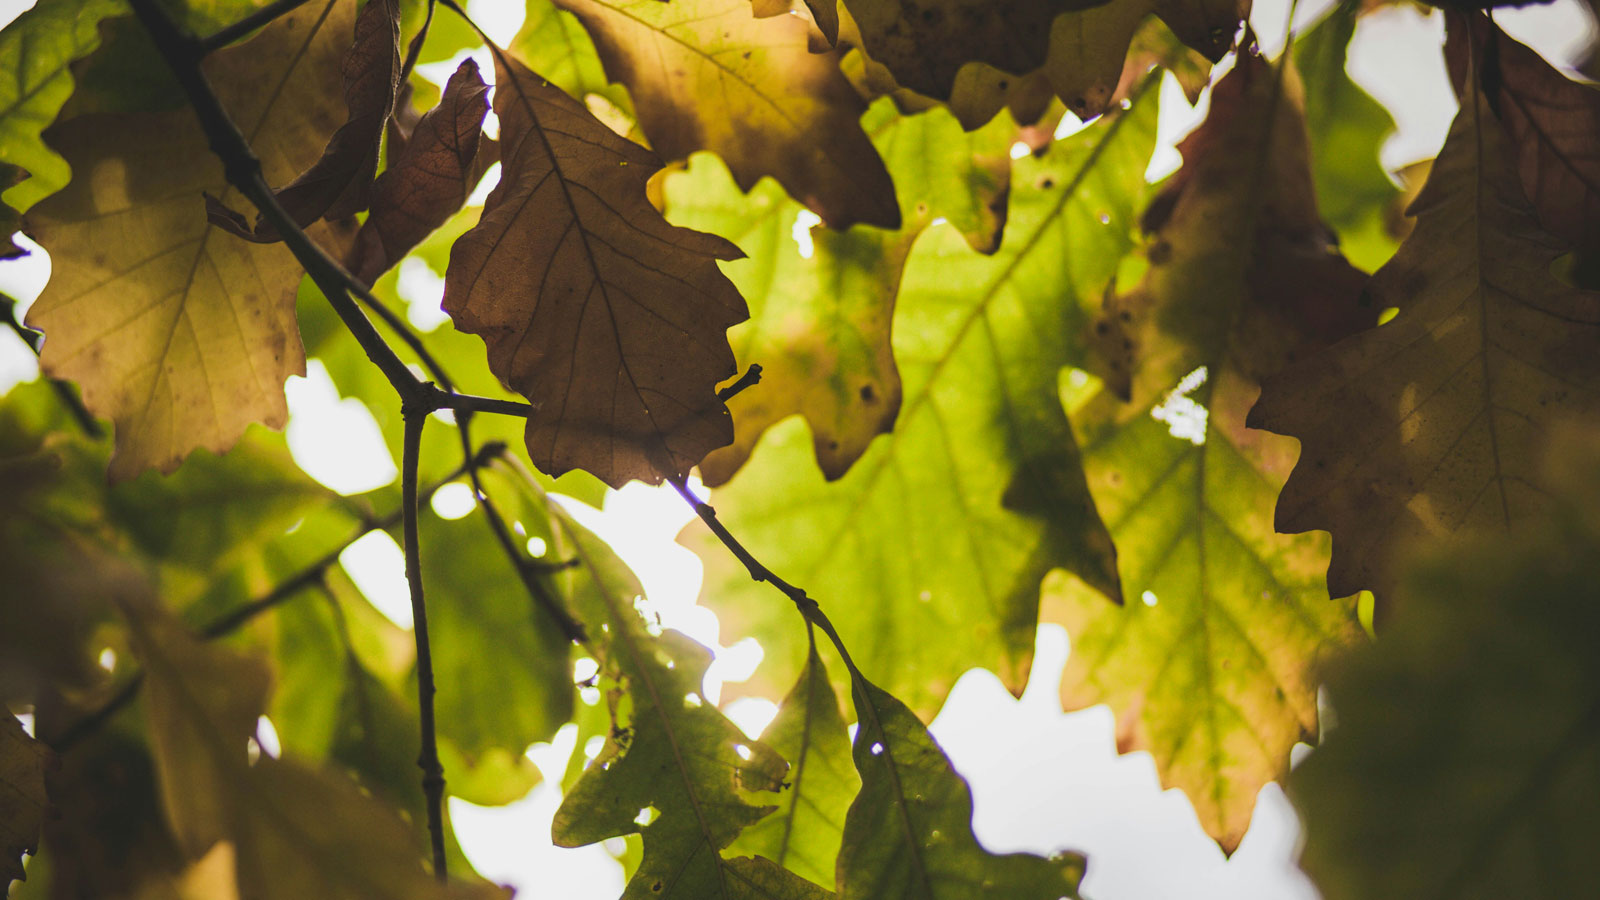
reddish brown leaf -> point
(427, 179)
(340, 183)
(611, 321)
(1553, 123)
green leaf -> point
(909, 832)
(490, 640)
(296, 832)
(929, 552)
(1355, 196)
(819, 323)
(809, 731)
(1466, 761)
(35, 51)
(1444, 409)
(23, 801)
(671, 756)
(707, 75)
(1208, 664)
(553, 43)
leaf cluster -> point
(993, 378)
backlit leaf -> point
(1354, 195)
(35, 51)
(296, 832)
(803, 835)
(674, 768)
(929, 552)
(1466, 762)
(428, 180)
(820, 314)
(179, 333)
(23, 802)
(1552, 121)
(1207, 666)
(612, 322)
(909, 832)
(708, 75)
(340, 183)
(924, 45)
(1442, 410)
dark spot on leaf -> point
(1102, 328)
(1160, 253)
(868, 394)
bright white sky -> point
(1042, 780)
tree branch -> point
(428, 759)
(244, 26)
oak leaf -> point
(1442, 410)
(427, 180)
(23, 801)
(925, 44)
(1208, 664)
(1466, 762)
(674, 768)
(612, 322)
(708, 75)
(930, 551)
(820, 313)
(36, 51)
(296, 832)
(909, 832)
(1553, 124)
(180, 334)
(809, 731)
(340, 183)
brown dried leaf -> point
(708, 75)
(1553, 123)
(428, 178)
(611, 321)
(22, 796)
(1433, 423)
(340, 183)
(178, 333)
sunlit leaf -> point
(1354, 195)
(339, 184)
(1466, 761)
(708, 75)
(35, 51)
(179, 333)
(909, 832)
(1207, 666)
(803, 835)
(1440, 412)
(610, 320)
(929, 552)
(821, 308)
(674, 769)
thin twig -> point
(751, 376)
(428, 759)
(244, 26)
